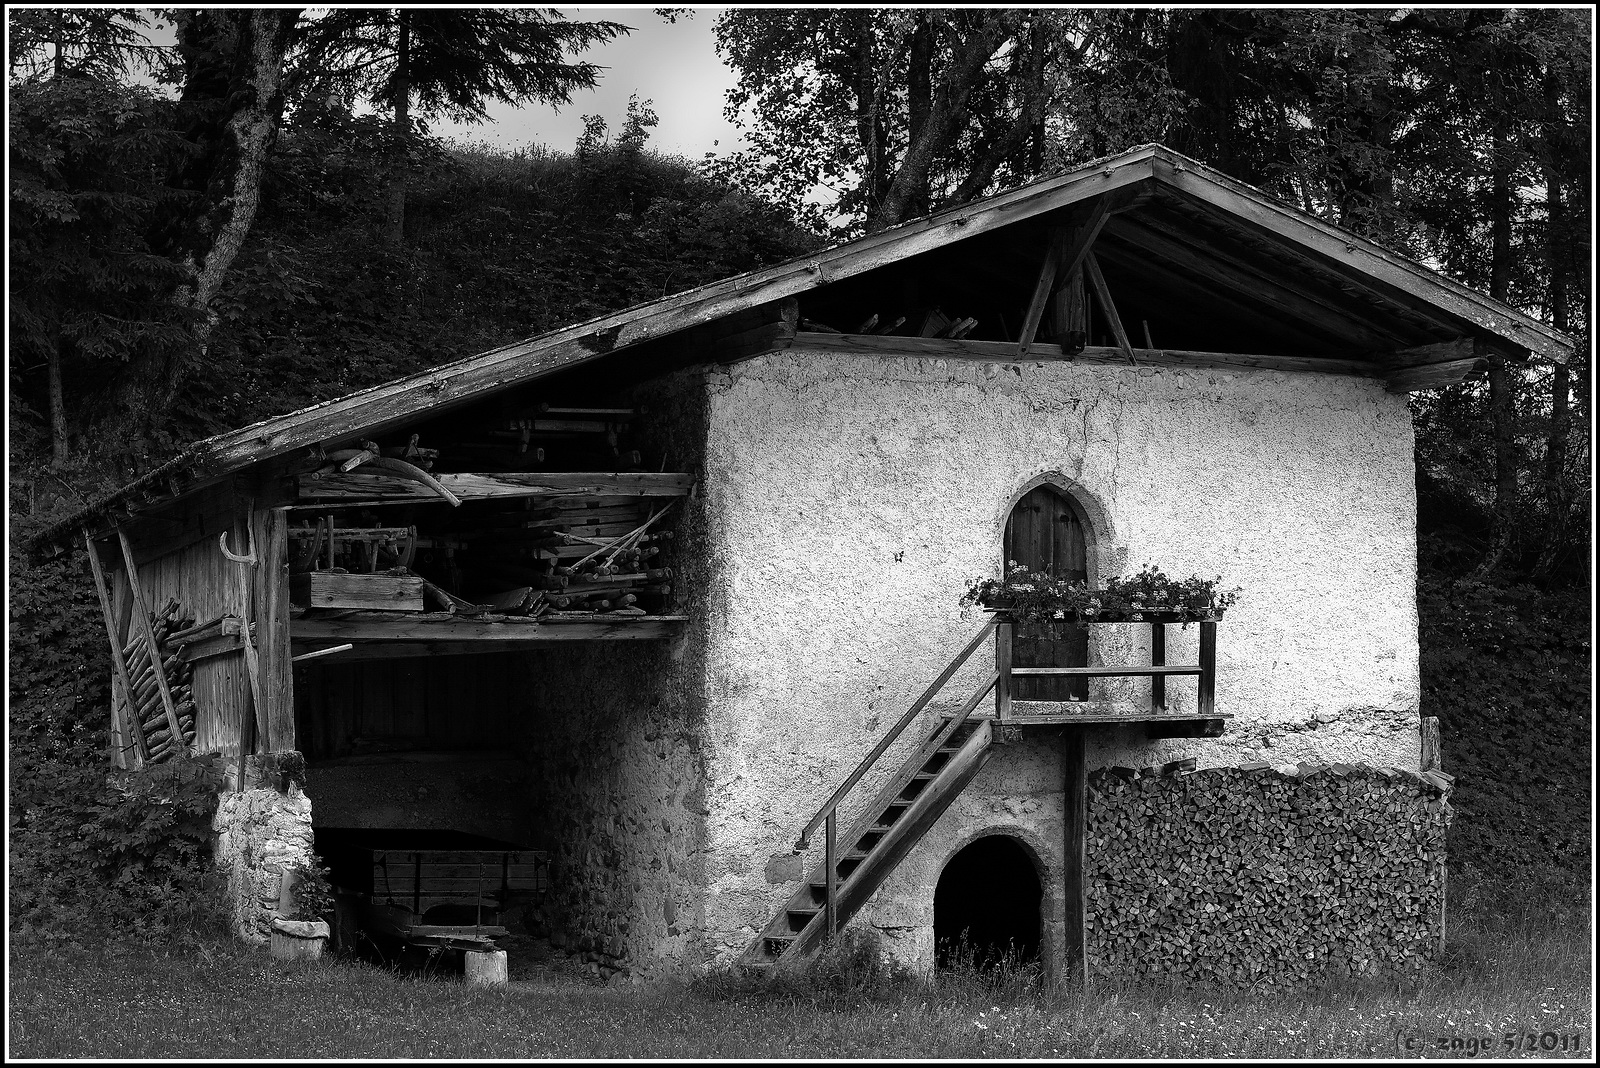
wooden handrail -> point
(888, 739)
(1205, 672)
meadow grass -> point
(1515, 963)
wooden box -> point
(327, 589)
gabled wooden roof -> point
(1171, 232)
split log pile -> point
(149, 712)
(1250, 875)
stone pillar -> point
(262, 832)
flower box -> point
(1148, 597)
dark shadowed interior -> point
(987, 905)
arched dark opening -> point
(987, 904)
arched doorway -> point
(1044, 534)
(987, 903)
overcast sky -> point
(673, 65)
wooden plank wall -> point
(424, 703)
(204, 583)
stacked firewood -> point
(1252, 875)
(168, 627)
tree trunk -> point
(58, 409)
(395, 195)
(1502, 384)
(919, 97)
(944, 119)
(1555, 453)
(235, 56)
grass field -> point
(1518, 962)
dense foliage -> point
(127, 855)
(1507, 671)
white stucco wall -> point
(851, 498)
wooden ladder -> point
(908, 804)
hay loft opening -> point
(986, 905)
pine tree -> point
(442, 61)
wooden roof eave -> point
(374, 410)
(1362, 258)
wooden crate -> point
(327, 589)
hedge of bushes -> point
(1254, 875)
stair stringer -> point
(886, 854)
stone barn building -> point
(791, 476)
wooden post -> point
(1208, 667)
(1431, 757)
(1432, 760)
(1158, 658)
(269, 540)
(1074, 813)
(141, 616)
(1002, 665)
(125, 720)
(830, 860)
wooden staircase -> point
(896, 819)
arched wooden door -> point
(1043, 534)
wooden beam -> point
(1443, 363)
(438, 627)
(141, 619)
(1430, 758)
(1069, 244)
(774, 337)
(124, 717)
(1359, 257)
(269, 536)
(1023, 714)
(1433, 375)
(1181, 293)
(1004, 352)
(1275, 293)
(1074, 818)
(504, 484)
(1102, 293)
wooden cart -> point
(429, 889)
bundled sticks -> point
(148, 719)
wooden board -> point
(325, 589)
(347, 489)
(1041, 352)
(428, 627)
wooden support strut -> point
(1068, 247)
(141, 613)
(1102, 294)
(119, 667)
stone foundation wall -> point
(618, 798)
(261, 832)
